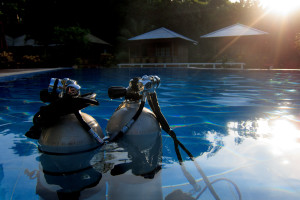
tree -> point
(12, 14)
(73, 42)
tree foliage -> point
(115, 21)
(73, 36)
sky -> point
(283, 7)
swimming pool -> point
(242, 127)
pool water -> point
(242, 127)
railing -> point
(188, 65)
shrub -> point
(6, 57)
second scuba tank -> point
(137, 163)
(145, 126)
(131, 118)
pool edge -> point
(13, 75)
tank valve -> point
(136, 89)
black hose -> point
(153, 102)
(165, 126)
(139, 111)
(88, 128)
(82, 122)
(189, 177)
(55, 87)
(129, 124)
(152, 97)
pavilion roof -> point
(93, 39)
(235, 30)
(161, 33)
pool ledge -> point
(12, 72)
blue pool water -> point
(242, 127)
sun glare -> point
(283, 7)
(285, 136)
(280, 134)
(280, 6)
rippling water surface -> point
(242, 127)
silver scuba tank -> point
(146, 126)
(124, 119)
(71, 130)
(138, 134)
(68, 136)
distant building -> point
(159, 46)
(99, 50)
(236, 30)
(20, 41)
(237, 43)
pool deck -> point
(11, 72)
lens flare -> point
(279, 6)
(285, 136)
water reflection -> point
(24, 148)
(136, 172)
(129, 169)
(280, 133)
(2, 191)
(65, 176)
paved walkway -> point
(9, 72)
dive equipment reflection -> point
(120, 170)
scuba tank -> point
(137, 133)
(61, 127)
(67, 135)
(131, 118)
